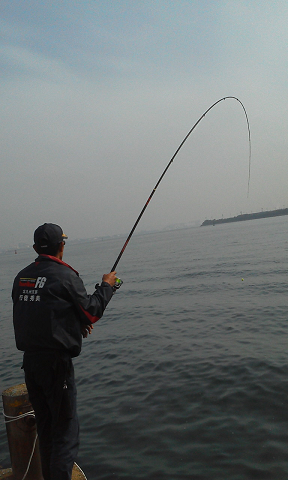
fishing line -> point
(180, 146)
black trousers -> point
(52, 392)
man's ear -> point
(61, 250)
(34, 246)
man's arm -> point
(109, 278)
(91, 307)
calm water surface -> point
(185, 376)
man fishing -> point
(51, 313)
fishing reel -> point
(117, 285)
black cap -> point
(48, 235)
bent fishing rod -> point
(118, 281)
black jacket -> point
(50, 303)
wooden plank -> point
(6, 473)
(77, 473)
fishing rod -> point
(118, 281)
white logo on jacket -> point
(40, 282)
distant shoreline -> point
(247, 216)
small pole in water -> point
(21, 434)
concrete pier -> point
(21, 434)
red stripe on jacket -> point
(91, 318)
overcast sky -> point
(96, 96)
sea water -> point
(186, 375)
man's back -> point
(45, 312)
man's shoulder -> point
(25, 269)
(47, 264)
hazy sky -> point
(97, 95)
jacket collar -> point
(43, 257)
